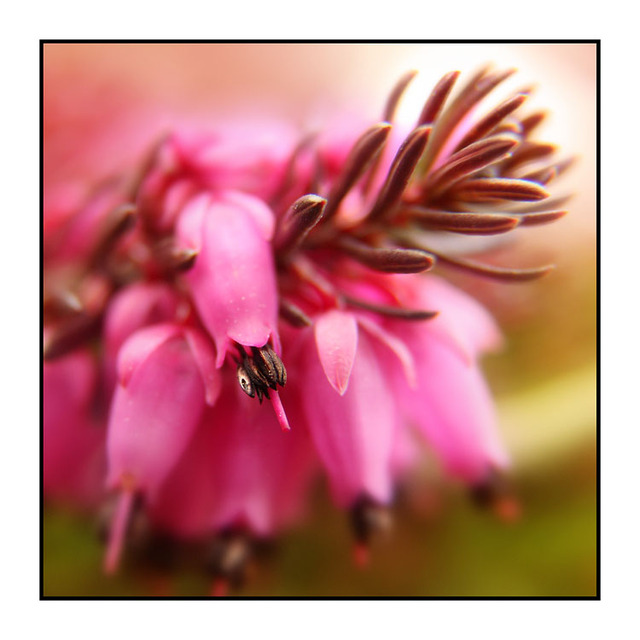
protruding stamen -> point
(270, 365)
(276, 402)
(400, 172)
(438, 96)
(259, 374)
(387, 260)
(118, 529)
(393, 312)
(462, 222)
(298, 221)
(365, 150)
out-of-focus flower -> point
(230, 268)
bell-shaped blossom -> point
(349, 412)
(137, 306)
(451, 405)
(233, 281)
(166, 374)
(249, 475)
(73, 440)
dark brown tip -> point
(302, 216)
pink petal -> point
(353, 433)
(154, 416)
(233, 280)
(133, 308)
(140, 346)
(336, 334)
(395, 345)
(247, 472)
(454, 411)
(73, 444)
(462, 322)
(205, 359)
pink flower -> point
(351, 416)
(247, 473)
(230, 267)
(452, 409)
(73, 440)
(165, 376)
(233, 280)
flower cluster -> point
(243, 312)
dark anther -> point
(260, 371)
(369, 519)
(270, 365)
(245, 382)
(496, 495)
(227, 558)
